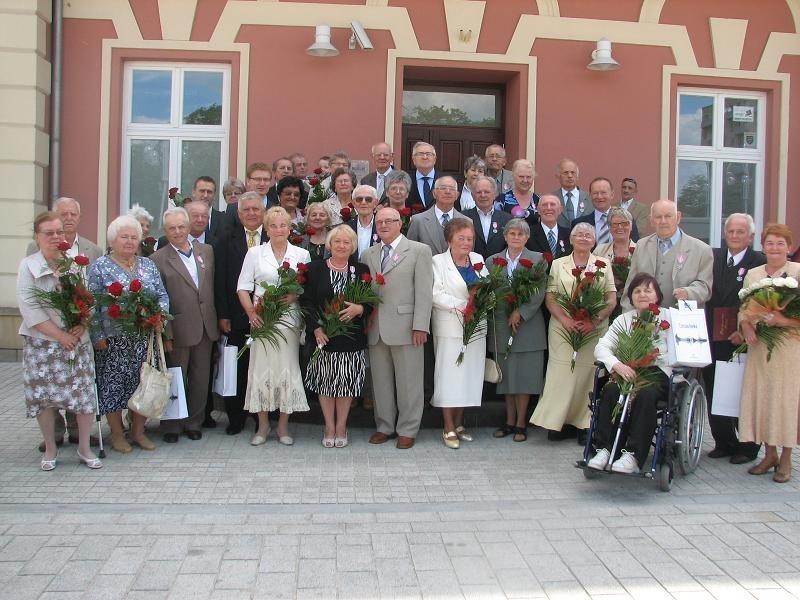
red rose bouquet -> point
(482, 300)
(621, 267)
(527, 280)
(318, 192)
(136, 310)
(175, 196)
(405, 216)
(298, 230)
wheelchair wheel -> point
(665, 477)
(691, 423)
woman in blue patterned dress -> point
(120, 355)
(521, 201)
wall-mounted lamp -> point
(322, 43)
(359, 36)
(601, 57)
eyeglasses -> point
(583, 236)
(363, 199)
(386, 222)
(58, 233)
(447, 188)
(495, 156)
(425, 154)
(620, 224)
(261, 179)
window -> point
(719, 160)
(175, 129)
(423, 105)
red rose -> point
(310, 230)
(499, 260)
(576, 271)
(548, 257)
(302, 268)
(286, 265)
(589, 275)
(64, 245)
(511, 299)
(172, 193)
(81, 260)
(150, 240)
(620, 260)
(664, 325)
(405, 212)
(526, 263)
(314, 181)
(599, 264)
(116, 289)
(417, 208)
(477, 267)
(366, 278)
(379, 279)
(301, 279)
(297, 240)
(135, 285)
(346, 213)
(317, 171)
(654, 308)
(114, 311)
(581, 315)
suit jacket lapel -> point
(397, 255)
(178, 265)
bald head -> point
(665, 218)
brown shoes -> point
(404, 443)
(380, 438)
(782, 476)
(763, 467)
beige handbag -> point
(152, 395)
(491, 370)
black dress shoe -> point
(233, 429)
(555, 436)
(170, 438)
(583, 436)
(718, 453)
(209, 423)
(192, 434)
(740, 459)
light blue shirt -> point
(421, 184)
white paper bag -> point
(728, 378)
(225, 369)
(687, 338)
(176, 407)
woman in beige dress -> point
(564, 400)
(770, 394)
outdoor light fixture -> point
(601, 57)
(359, 36)
(322, 43)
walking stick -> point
(625, 400)
(101, 453)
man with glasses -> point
(423, 176)
(365, 199)
(602, 194)
(495, 156)
(399, 329)
(258, 179)
(639, 211)
(382, 156)
(428, 227)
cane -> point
(101, 453)
(623, 416)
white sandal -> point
(92, 463)
(49, 464)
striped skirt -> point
(337, 374)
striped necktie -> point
(551, 240)
(385, 252)
(603, 236)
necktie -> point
(426, 189)
(568, 206)
(551, 240)
(380, 185)
(251, 238)
(385, 252)
(445, 219)
(730, 262)
(603, 236)
(664, 246)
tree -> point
(205, 115)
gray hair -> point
(123, 222)
(437, 183)
(342, 230)
(233, 185)
(474, 161)
(397, 176)
(492, 181)
(523, 162)
(137, 211)
(372, 191)
(671, 203)
(619, 211)
(319, 205)
(583, 227)
(66, 200)
(519, 225)
(177, 210)
(251, 196)
(750, 223)
(421, 143)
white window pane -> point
(149, 178)
(694, 197)
(738, 188)
(696, 120)
(202, 98)
(741, 118)
(199, 158)
(151, 96)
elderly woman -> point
(397, 186)
(520, 200)
(147, 245)
(274, 381)
(523, 370)
(318, 217)
(343, 182)
(474, 167)
(456, 386)
(119, 355)
(337, 373)
(563, 401)
(621, 247)
(290, 190)
(770, 404)
(639, 427)
(57, 363)
(232, 189)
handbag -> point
(225, 369)
(728, 377)
(491, 370)
(176, 408)
(152, 395)
(687, 338)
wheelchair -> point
(678, 437)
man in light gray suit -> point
(682, 265)
(574, 201)
(428, 227)
(398, 329)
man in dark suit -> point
(365, 200)
(382, 156)
(548, 237)
(205, 190)
(602, 193)
(731, 264)
(423, 176)
(258, 179)
(233, 322)
(574, 201)
(488, 222)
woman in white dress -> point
(274, 381)
(456, 386)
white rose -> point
(778, 281)
(791, 282)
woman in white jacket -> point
(637, 434)
(456, 386)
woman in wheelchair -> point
(637, 433)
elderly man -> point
(602, 194)
(488, 221)
(640, 212)
(187, 270)
(731, 264)
(365, 199)
(495, 156)
(233, 321)
(574, 201)
(428, 226)
(682, 265)
(299, 165)
(423, 176)
(399, 329)
(382, 156)
(548, 237)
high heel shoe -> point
(341, 442)
(782, 476)
(92, 463)
(763, 467)
(48, 464)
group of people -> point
(423, 240)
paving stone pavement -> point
(220, 519)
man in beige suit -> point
(188, 274)
(682, 265)
(639, 211)
(398, 329)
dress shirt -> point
(421, 183)
(189, 263)
(380, 181)
(512, 263)
(576, 193)
(438, 212)
(547, 230)
(673, 241)
(627, 204)
(486, 221)
(364, 235)
(466, 199)
(75, 249)
(257, 236)
(598, 225)
(200, 238)
(737, 258)
(393, 246)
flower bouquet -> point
(318, 192)
(482, 300)
(621, 267)
(524, 284)
(355, 291)
(273, 311)
(136, 310)
(298, 230)
(175, 196)
(583, 303)
(766, 296)
(405, 216)
(148, 245)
